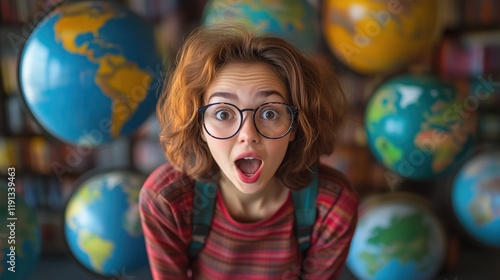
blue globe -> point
(294, 20)
(476, 197)
(102, 224)
(23, 236)
(419, 126)
(398, 236)
(88, 72)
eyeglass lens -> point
(272, 120)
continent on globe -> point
(398, 236)
(406, 239)
(453, 133)
(87, 194)
(391, 154)
(409, 95)
(102, 222)
(414, 129)
(98, 249)
(383, 104)
(117, 77)
(100, 65)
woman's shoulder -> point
(168, 183)
(335, 190)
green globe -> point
(20, 232)
(475, 197)
(397, 237)
(294, 20)
(102, 224)
(419, 127)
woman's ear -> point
(202, 136)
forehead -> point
(246, 78)
(240, 68)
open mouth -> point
(248, 165)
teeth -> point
(248, 158)
(249, 174)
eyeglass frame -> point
(294, 110)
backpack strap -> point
(304, 202)
(203, 211)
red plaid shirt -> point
(266, 249)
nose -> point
(248, 132)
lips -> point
(249, 167)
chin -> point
(249, 188)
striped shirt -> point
(266, 249)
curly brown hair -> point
(314, 90)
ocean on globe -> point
(373, 37)
(475, 197)
(102, 223)
(294, 20)
(89, 72)
(419, 127)
(19, 231)
(397, 237)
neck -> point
(253, 207)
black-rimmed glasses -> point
(273, 120)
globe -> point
(88, 72)
(475, 197)
(397, 237)
(419, 127)
(20, 244)
(102, 224)
(294, 20)
(373, 37)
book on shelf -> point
(17, 12)
(481, 13)
(18, 121)
(148, 155)
(153, 10)
(45, 192)
(40, 156)
(3, 120)
(455, 59)
(115, 154)
(449, 13)
(492, 58)
(8, 68)
(489, 127)
(9, 155)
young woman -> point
(252, 115)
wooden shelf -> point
(475, 35)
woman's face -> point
(248, 160)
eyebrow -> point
(232, 96)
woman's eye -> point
(223, 115)
(269, 114)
